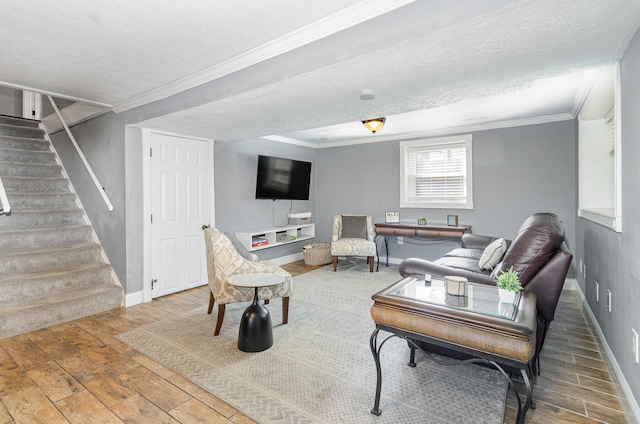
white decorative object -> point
(455, 285)
(506, 296)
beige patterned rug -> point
(320, 368)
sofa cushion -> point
(537, 239)
(468, 264)
(354, 226)
(492, 254)
(462, 252)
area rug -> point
(320, 368)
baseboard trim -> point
(633, 403)
(283, 260)
(133, 299)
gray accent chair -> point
(353, 235)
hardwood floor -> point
(79, 372)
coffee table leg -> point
(256, 333)
(375, 351)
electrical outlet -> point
(597, 292)
(609, 300)
(400, 240)
(635, 349)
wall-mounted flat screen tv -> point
(280, 178)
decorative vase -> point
(506, 296)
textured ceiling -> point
(431, 65)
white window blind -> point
(436, 173)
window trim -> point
(610, 216)
(465, 139)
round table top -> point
(256, 279)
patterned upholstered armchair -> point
(353, 236)
(223, 260)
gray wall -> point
(612, 258)
(102, 142)
(237, 209)
(516, 172)
(10, 101)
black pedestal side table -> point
(256, 333)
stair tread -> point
(48, 152)
(28, 163)
(60, 248)
(49, 298)
(56, 273)
(56, 228)
(31, 211)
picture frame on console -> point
(391, 217)
(452, 220)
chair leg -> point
(285, 310)
(335, 263)
(370, 260)
(212, 300)
(221, 307)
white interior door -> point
(180, 205)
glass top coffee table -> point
(479, 298)
(475, 324)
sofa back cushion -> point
(538, 238)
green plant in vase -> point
(509, 284)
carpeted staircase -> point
(51, 266)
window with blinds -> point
(436, 173)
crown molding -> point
(351, 16)
(450, 130)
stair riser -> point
(20, 201)
(27, 156)
(17, 289)
(46, 219)
(14, 131)
(41, 313)
(53, 260)
(29, 170)
(23, 143)
(35, 185)
(15, 241)
(7, 120)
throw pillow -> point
(492, 254)
(354, 226)
(239, 247)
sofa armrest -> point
(417, 266)
(476, 241)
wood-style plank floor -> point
(78, 372)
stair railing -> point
(4, 200)
(82, 157)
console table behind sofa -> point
(387, 231)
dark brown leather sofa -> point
(538, 254)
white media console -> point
(275, 236)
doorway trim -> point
(146, 201)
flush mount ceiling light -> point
(374, 125)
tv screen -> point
(280, 178)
